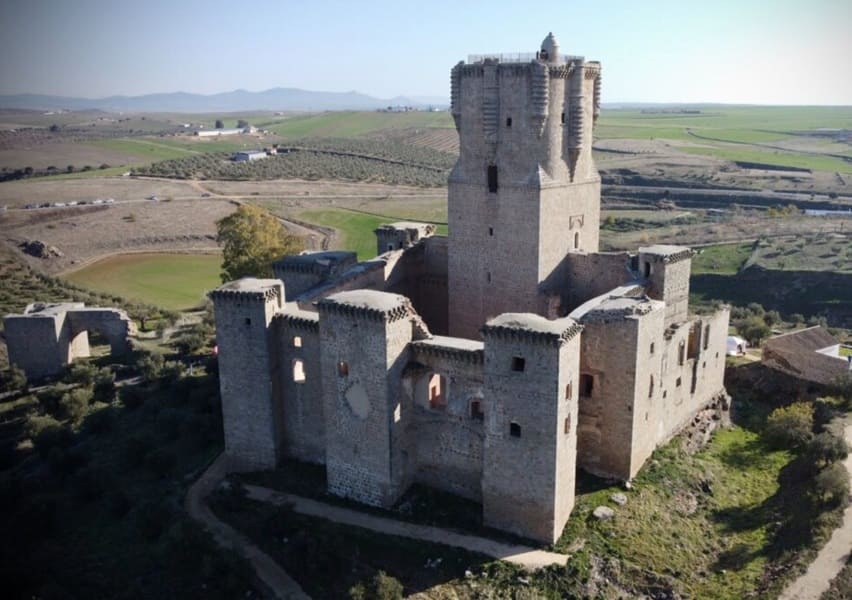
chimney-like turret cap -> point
(550, 47)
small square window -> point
(248, 321)
(652, 347)
(508, 121)
(343, 368)
(476, 411)
(678, 382)
(297, 341)
(514, 430)
(518, 363)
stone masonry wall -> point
(528, 478)
(300, 386)
(449, 438)
(35, 344)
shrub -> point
(150, 365)
(47, 433)
(831, 485)
(13, 379)
(160, 462)
(132, 396)
(790, 426)
(81, 372)
(99, 421)
(381, 587)
(151, 519)
(136, 450)
(753, 329)
(75, 404)
(826, 448)
(104, 385)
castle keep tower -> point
(524, 190)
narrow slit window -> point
(518, 363)
(563, 117)
(647, 269)
(490, 231)
(566, 428)
(492, 179)
(651, 388)
(488, 276)
(587, 385)
(652, 347)
(476, 411)
(706, 336)
(681, 352)
(568, 391)
(299, 371)
(508, 121)
(576, 240)
(514, 429)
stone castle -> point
(493, 362)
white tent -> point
(736, 345)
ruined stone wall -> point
(113, 324)
(248, 364)
(605, 434)
(37, 345)
(688, 387)
(449, 435)
(361, 402)
(299, 385)
(529, 460)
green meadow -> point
(173, 281)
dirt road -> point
(832, 558)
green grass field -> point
(174, 281)
(723, 260)
(351, 124)
(356, 229)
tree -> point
(251, 239)
(220, 124)
(242, 124)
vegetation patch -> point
(174, 281)
(725, 259)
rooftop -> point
(368, 299)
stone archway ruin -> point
(47, 337)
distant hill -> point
(284, 99)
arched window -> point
(298, 370)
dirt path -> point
(832, 558)
(279, 583)
(524, 556)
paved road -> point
(525, 556)
(832, 558)
(271, 575)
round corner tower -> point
(525, 190)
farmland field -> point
(174, 281)
(351, 124)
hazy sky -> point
(736, 51)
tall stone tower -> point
(524, 191)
